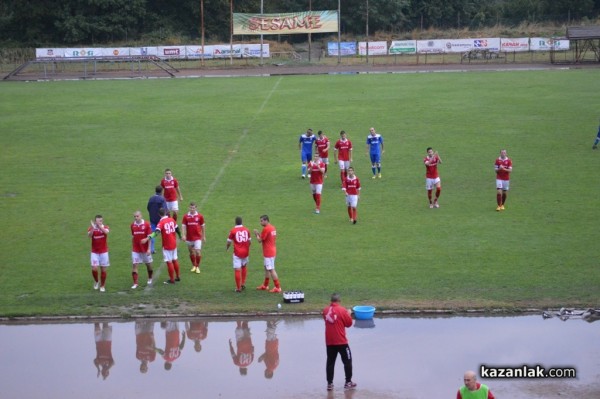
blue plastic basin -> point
(363, 312)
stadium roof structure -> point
(586, 39)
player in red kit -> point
(244, 356)
(172, 193)
(351, 187)
(98, 232)
(322, 143)
(503, 167)
(316, 170)
(167, 229)
(342, 154)
(241, 239)
(432, 178)
(267, 238)
(195, 235)
(140, 253)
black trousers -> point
(345, 354)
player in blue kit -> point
(305, 145)
(375, 149)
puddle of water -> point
(393, 358)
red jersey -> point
(271, 355)
(322, 147)
(343, 148)
(144, 346)
(314, 168)
(167, 226)
(337, 319)
(502, 174)
(170, 187)
(172, 349)
(268, 237)
(197, 330)
(193, 226)
(431, 169)
(99, 242)
(240, 236)
(351, 185)
(245, 352)
(138, 233)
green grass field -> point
(76, 148)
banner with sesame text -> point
(285, 24)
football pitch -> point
(74, 149)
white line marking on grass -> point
(232, 153)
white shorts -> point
(173, 206)
(104, 334)
(429, 183)
(140, 257)
(325, 160)
(352, 200)
(269, 263)
(344, 164)
(502, 184)
(100, 260)
(196, 244)
(169, 255)
(239, 262)
(316, 188)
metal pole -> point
(367, 30)
(339, 32)
(309, 34)
(261, 35)
(202, 31)
(231, 34)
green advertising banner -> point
(285, 24)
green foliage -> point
(50, 22)
(74, 149)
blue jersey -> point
(307, 143)
(375, 143)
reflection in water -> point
(271, 355)
(405, 358)
(244, 356)
(173, 343)
(144, 344)
(104, 358)
(197, 331)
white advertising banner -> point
(431, 46)
(518, 44)
(226, 51)
(462, 45)
(115, 52)
(49, 52)
(253, 50)
(403, 47)
(171, 51)
(375, 48)
(139, 51)
(547, 44)
(88, 52)
(196, 52)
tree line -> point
(38, 23)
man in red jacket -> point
(337, 319)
